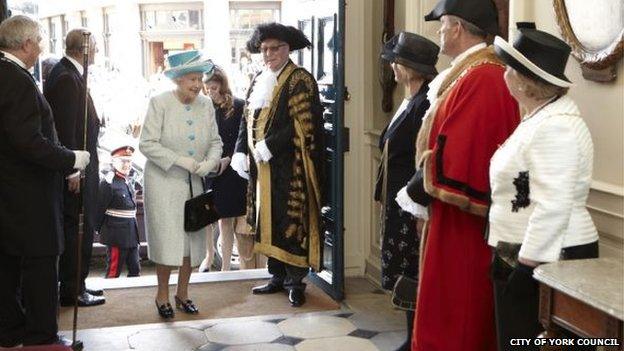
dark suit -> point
(119, 234)
(31, 165)
(229, 188)
(64, 89)
(399, 247)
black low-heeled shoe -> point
(186, 306)
(165, 310)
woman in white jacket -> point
(181, 142)
(540, 179)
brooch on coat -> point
(522, 192)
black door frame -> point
(4, 10)
(335, 288)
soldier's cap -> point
(123, 151)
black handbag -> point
(404, 293)
(199, 211)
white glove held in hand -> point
(82, 159)
(257, 156)
(205, 167)
(263, 150)
(187, 163)
(240, 165)
(408, 205)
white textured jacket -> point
(540, 179)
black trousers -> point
(116, 257)
(68, 261)
(286, 274)
(28, 300)
(516, 298)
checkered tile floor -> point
(366, 321)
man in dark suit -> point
(31, 165)
(65, 91)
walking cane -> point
(86, 38)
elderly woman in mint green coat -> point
(179, 137)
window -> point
(167, 28)
(84, 21)
(106, 34)
(65, 24)
(244, 17)
(52, 34)
(155, 18)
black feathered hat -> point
(295, 38)
(536, 54)
(412, 50)
(481, 13)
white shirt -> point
(78, 66)
(469, 51)
(14, 59)
(399, 111)
(553, 152)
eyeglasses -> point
(270, 49)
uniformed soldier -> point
(117, 223)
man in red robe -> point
(471, 114)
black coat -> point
(401, 136)
(64, 90)
(400, 244)
(292, 182)
(229, 188)
(31, 165)
(116, 194)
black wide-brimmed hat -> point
(412, 50)
(295, 38)
(536, 54)
(481, 13)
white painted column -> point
(126, 47)
(217, 31)
(359, 77)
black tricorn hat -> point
(295, 38)
(481, 13)
(414, 51)
(536, 54)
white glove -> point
(205, 167)
(263, 149)
(408, 205)
(187, 163)
(82, 159)
(240, 165)
(257, 156)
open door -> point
(324, 26)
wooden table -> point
(584, 297)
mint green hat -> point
(185, 62)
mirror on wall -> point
(595, 31)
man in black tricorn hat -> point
(282, 133)
(471, 114)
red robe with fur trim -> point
(472, 116)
